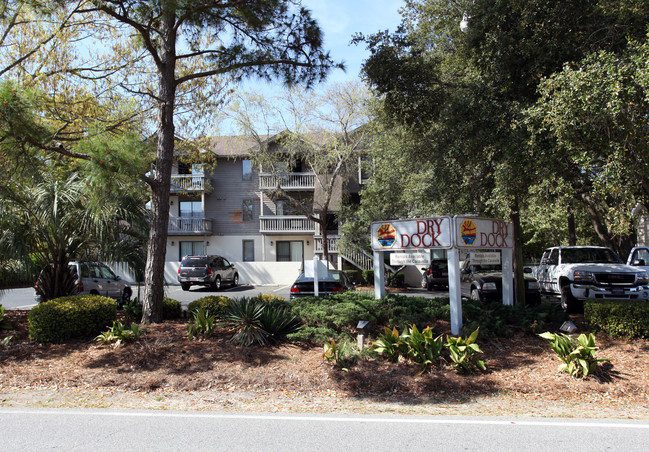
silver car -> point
(98, 278)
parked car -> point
(335, 282)
(484, 283)
(99, 279)
(210, 271)
(436, 275)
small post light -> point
(568, 327)
(363, 329)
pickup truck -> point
(577, 273)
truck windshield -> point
(589, 256)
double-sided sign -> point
(443, 233)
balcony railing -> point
(332, 241)
(286, 224)
(287, 181)
(187, 182)
(190, 226)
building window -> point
(190, 208)
(191, 249)
(248, 250)
(246, 210)
(290, 251)
(246, 170)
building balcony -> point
(190, 226)
(287, 181)
(296, 224)
(187, 183)
(332, 241)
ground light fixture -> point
(363, 329)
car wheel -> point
(569, 303)
(216, 285)
(235, 280)
(185, 286)
(475, 294)
(126, 297)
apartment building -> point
(228, 211)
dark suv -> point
(211, 271)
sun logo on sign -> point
(386, 235)
(468, 232)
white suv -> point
(99, 279)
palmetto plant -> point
(58, 219)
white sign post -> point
(416, 235)
(317, 270)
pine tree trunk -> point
(160, 186)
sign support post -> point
(455, 294)
(379, 275)
(508, 276)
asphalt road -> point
(24, 298)
(33, 429)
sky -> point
(339, 20)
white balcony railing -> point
(190, 225)
(286, 224)
(287, 181)
(187, 182)
(332, 241)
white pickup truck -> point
(577, 273)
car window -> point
(194, 263)
(107, 273)
(85, 270)
(226, 263)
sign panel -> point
(311, 266)
(419, 234)
(410, 258)
(478, 258)
(472, 232)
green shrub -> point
(619, 318)
(390, 345)
(423, 348)
(577, 355)
(368, 277)
(171, 309)
(398, 280)
(78, 316)
(336, 317)
(215, 305)
(267, 298)
(498, 320)
(354, 276)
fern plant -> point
(577, 355)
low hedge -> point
(618, 318)
(214, 304)
(171, 309)
(77, 316)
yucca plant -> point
(256, 321)
(244, 316)
(464, 353)
(577, 355)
